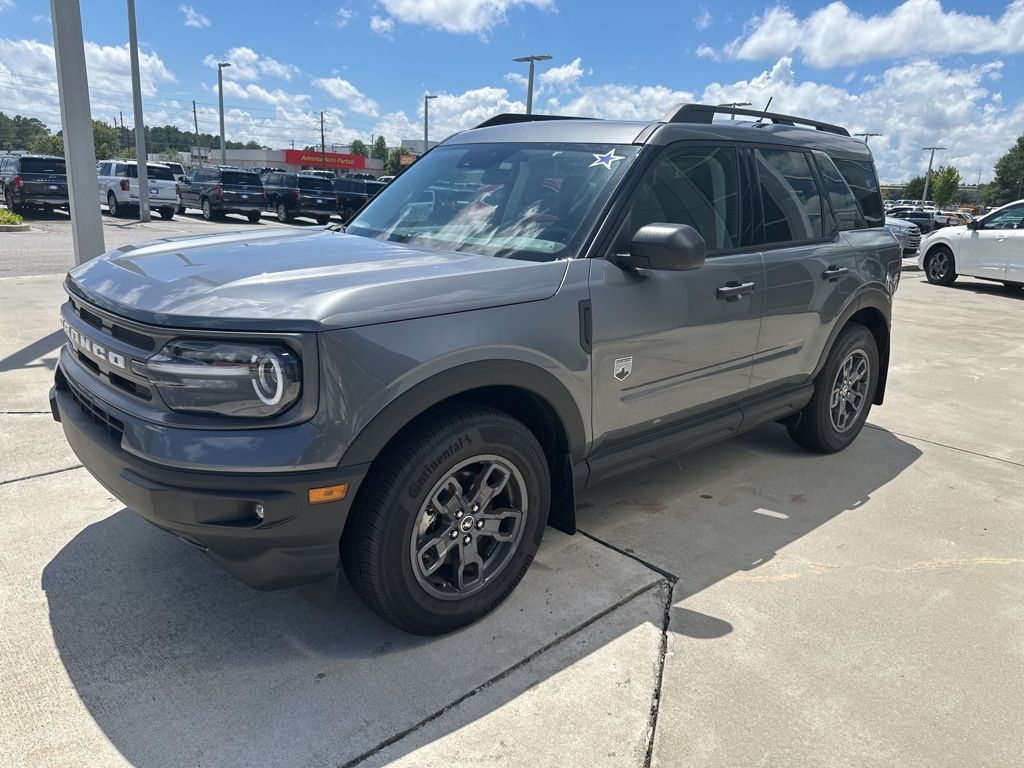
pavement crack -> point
(652, 725)
(503, 674)
(667, 575)
(40, 474)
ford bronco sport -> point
(536, 305)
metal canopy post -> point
(140, 125)
(76, 123)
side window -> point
(789, 196)
(1011, 218)
(861, 176)
(698, 186)
(105, 169)
(121, 169)
(840, 196)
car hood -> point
(295, 281)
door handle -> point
(834, 272)
(733, 290)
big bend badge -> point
(623, 367)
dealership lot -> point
(748, 603)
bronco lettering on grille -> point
(91, 348)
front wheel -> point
(166, 214)
(112, 205)
(939, 266)
(843, 393)
(253, 217)
(449, 521)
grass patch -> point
(9, 217)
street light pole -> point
(529, 80)
(426, 108)
(735, 104)
(140, 126)
(928, 176)
(220, 92)
(868, 135)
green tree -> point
(380, 149)
(45, 144)
(393, 165)
(357, 147)
(1009, 181)
(914, 189)
(945, 185)
(107, 140)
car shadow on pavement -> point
(180, 664)
(25, 357)
(986, 287)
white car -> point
(990, 248)
(119, 187)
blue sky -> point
(921, 72)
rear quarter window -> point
(840, 196)
(790, 197)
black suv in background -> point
(33, 181)
(300, 194)
(354, 193)
(217, 190)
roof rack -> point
(507, 118)
(705, 113)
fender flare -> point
(871, 297)
(418, 399)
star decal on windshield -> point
(606, 159)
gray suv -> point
(535, 306)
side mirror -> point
(674, 247)
(972, 224)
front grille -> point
(138, 346)
(113, 327)
(92, 409)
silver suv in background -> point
(119, 187)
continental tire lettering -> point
(417, 487)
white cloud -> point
(6, 5)
(707, 52)
(348, 94)
(254, 92)
(459, 16)
(193, 18)
(343, 17)
(563, 77)
(615, 101)
(704, 20)
(383, 26)
(246, 64)
(835, 35)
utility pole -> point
(426, 110)
(76, 124)
(529, 80)
(140, 126)
(220, 92)
(323, 149)
(868, 135)
(928, 176)
(735, 104)
(978, 188)
(195, 122)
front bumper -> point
(296, 542)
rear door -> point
(669, 347)
(810, 269)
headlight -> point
(244, 380)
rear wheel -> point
(207, 210)
(939, 266)
(9, 202)
(449, 521)
(253, 216)
(112, 205)
(282, 213)
(166, 214)
(322, 219)
(843, 392)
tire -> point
(321, 220)
(166, 214)
(392, 529)
(207, 209)
(841, 402)
(282, 214)
(253, 217)
(939, 266)
(112, 206)
(180, 210)
(1012, 285)
(12, 206)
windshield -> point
(529, 201)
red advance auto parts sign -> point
(324, 159)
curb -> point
(14, 228)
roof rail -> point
(705, 113)
(507, 118)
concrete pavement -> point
(746, 604)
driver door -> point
(671, 347)
(985, 251)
